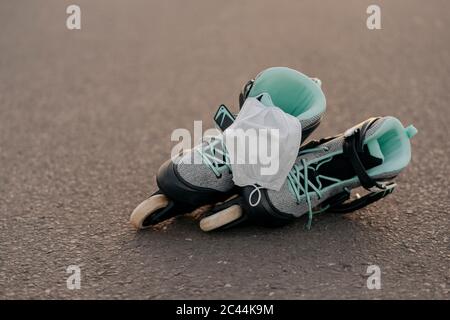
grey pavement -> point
(86, 118)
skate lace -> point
(214, 154)
(300, 184)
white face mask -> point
(262, 144)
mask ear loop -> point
(250, 196)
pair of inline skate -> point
(369, 155)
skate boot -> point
(370, 155)
(203, 175)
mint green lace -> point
(298, 189)
(214, 157)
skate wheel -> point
(221, 218)
(147, 208)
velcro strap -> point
(353, 143)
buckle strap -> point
(347, 207)
(245, 91)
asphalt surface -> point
(86, 118)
